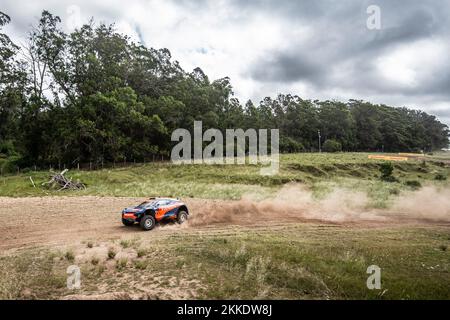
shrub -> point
(90, 244)
(141, 264)
(69, 255)
(7, 148)
(440, 177)
(111, 253)
(9, 165)
(394, 192)
(289, 145)
(25, 170)
(141, 253)
(387, 170)
(413, 184)
(332, 146)
(100, 269)
(125, 243)
(95, 261)
(121, 264)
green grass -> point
(309, 261)
(32, 270)
(321, 262)
(321, 172)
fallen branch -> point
(58, 180)
(31, 179)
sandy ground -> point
(28, 222)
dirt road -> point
(27, 222)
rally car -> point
(155, 210)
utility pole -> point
(320, 145)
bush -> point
(69, 255)
(121, 264)
(141, 253)
(141, 264)
(126, 243)
(7, 148)
(111, 253)
(440, 177)
(413, 184)
(289, 145)
(8, 165)
(332, 146)
(387, 170)
(394, 192)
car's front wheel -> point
(127, 223)
(182, 217)
(147, 223)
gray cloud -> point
(344, 55)
(287, 67)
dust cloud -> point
(430, 203)
(295, 203)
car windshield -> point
(144, 204)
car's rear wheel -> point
(182, 217)
(127, 223)
(147, 223)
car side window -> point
(163, 203)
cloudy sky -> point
(317, 49)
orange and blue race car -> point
(155, 210)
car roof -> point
(162, 199)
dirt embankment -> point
(62, 220)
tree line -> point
(94, 95)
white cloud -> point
(412, 64)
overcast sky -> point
(318, 49)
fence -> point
(10, 169)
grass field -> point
(271, 260)
(282, 262)
(321, 172)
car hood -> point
(133, 209)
